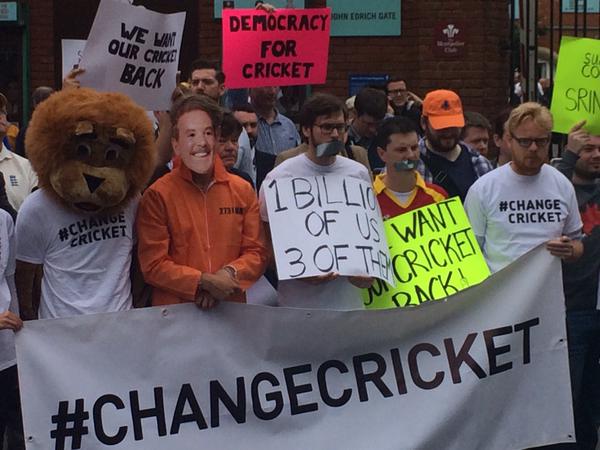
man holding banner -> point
(401, 188)
(323, 121)
(527, 202)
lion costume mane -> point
(92, 151)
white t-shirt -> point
(337, 294)
(511, 213)
(8, 296)
(86, 258)
(19, 177)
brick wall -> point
(41, 26)
(480, 76)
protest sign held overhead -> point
(326, 224)
(434, 255)
(134, 51)
(576, 93)
(472, 373)
(285, 48)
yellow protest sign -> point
(434, 255)
(576, 93)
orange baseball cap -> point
(443, 109)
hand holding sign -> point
(578, 137)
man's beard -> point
(444, 143)
(585, 173)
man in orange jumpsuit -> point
(199, 232)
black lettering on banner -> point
(267, 396)
(186, 399)
(398, 371)
(298, 194)
(136, 33)
(278, 48)
(493, 351)
(277, 198)
(455, 361)
(583, 99)
(375, 377)
(140, 76)
(296, 262)
(321, 223)
(329, 264)
(525, 327)
(98, 422)
(413, 365)
(137, 414)
(276, 397)
(218, 394)
(294, 390)
(322, 382)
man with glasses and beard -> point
(323, 123)
(527, 202)
(445, 160)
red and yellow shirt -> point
(424, 194)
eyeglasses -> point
(526, 142)
(327, 128)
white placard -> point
(326, 224)
(72, 50)
(134, 51)
(487, 369)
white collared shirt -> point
(19, 177)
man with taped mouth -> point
(401, 188)
(323, 122)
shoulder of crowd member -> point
(361, 155)
(566, 164)
(239, 184)
(290, 153)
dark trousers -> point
(11, 423)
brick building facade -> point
(480, 74)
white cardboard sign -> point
(323, 224)
(134, 51)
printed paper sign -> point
(134, 51)
(285, 48)
(326, 224)
(576, 94)
(434, 255)
(488, 370)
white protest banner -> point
(326, 224)
(134, 51)
(487, 369)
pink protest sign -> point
(285, 48)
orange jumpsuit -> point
(184, 231)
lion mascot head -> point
(93, 151)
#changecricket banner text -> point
(486, 369)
